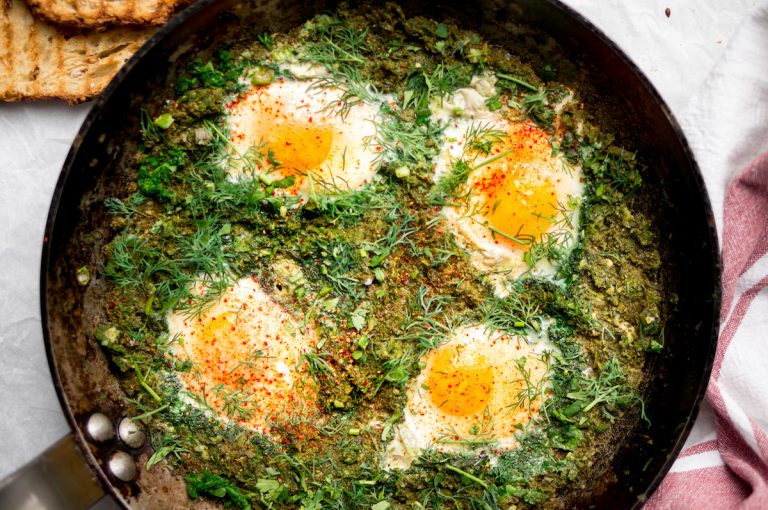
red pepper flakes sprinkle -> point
(257, 378)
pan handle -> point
(57, 479)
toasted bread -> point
(39, 60)
(96, 13)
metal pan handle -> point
(57, 479)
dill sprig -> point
(317, 363)
(512, 313)
(398, 234)
(480, 433)
(347, 207)
(427, 326)
(235, 402)
(531, 389)
(125, 208)
(558, 242)
(481, 137)
(405, 143)
(354, 91)
(337, 46)
(167, 277)
(611, 168)
(415, 143)
(339, 261)
(479, 140)
(341, 49)
(609, 389)
(422, 86)
(518, 469)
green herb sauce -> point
(377, 273)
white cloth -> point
(725, 461)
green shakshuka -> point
(377, 262)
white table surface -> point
(675, 52)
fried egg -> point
(304, 130)
(475, 390)
(245, 354)
(516, 194)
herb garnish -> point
(381, 280)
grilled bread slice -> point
(96, 13)
(39, 60)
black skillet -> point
(634, 462)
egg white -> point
(521, 166)
(245, 355)
(468, 394)
(302, 123)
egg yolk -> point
(516, 202)
(244, 358)
(225, 354)
(459, 385)
(294, 128)
(299, 148)
(516, 208)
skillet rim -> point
(199, 5)
(102, 99)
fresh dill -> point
(354, 92)
(427, 327)
(532, 390)
(480, 138)
(423, 86)
(480, 433)
(398, 234)
(608, 166)
(405, 143)
(339, 262)
(125, 208)
(337, 45)
(348, 207)
(318, 364)
(608, 389)
(513, 313)
(235, 403)
(557, 243)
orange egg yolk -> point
(299, 148)
(516, 202)
(516, 209)
(227, 359)
(459, 387)
(223, 351)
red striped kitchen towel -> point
(724, 464)
(730, 470)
